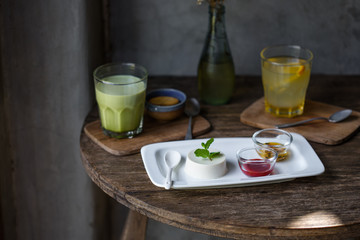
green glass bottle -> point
(216, 73)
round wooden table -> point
(319, 207)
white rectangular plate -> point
(301, 162)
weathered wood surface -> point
(154, 131)
(135, 226)
(319, 131)
(321, 207)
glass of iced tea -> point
(285, 77)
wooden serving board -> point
(154, 131)
(319, 131)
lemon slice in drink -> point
(287, 66)
(298, 70)
(294, 72)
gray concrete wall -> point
(167, 36)
(48, 52)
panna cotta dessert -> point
(204, 168)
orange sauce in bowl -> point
(164, 101)
(281, 150)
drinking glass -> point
(120, 93)
(285, 77)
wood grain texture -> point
(135, 226)
(319, 131)
(320, 207)
(154, 131)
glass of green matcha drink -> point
(120, 93)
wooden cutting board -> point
(154, 131)
(319, 131)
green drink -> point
(121, 100)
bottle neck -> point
(216, 49)
(217, 20)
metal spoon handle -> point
(299, 122)
(189, 131)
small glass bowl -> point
(254, 164)
(272, 138)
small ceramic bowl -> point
(170, 106)
(254, 164)
(277, 139)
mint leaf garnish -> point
(213, 155)
(205, 153)
(201, 153)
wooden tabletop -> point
(320, 207)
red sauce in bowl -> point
(256, 168)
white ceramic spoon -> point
(172, 159)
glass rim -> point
(121, 64)
(243, 160)
(308, 60)
(254, 136)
